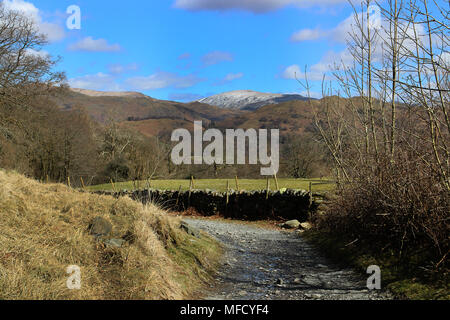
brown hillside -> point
(289, 117)
(136, 107)
(153, 117)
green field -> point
(221, 184)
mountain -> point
(249, 100)
(93, 93)
(153, 117)
(134, 106)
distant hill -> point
(249, 100)
(133, 106)
(154, 117)
(93, 93)
(291, 117)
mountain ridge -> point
(96, 93)
(153, 117)
(249, 99)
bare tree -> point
(389, 137)
(25, 71)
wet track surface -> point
(265, 264)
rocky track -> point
(264, 264)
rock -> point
(306, 225)
(279, 282)
(116, 243)
(299, 280)
(190, 230)
(293, 224)
(100, 227)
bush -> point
(398, 206)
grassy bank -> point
(221, 184)
(405, 277)
(44, 229)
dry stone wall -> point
(254, 205)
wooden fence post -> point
(190, 192)
(68, 181)
(310, 194)
(112, 184)
(276, 182)
(237, 185)
(82, 183)
(228, 192)
(178, 196)
(268, 188)
(192, 181)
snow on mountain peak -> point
(248, 99)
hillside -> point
(153, 117)
(248, 99)
(47, 227)
(292, 117)
(127, 106)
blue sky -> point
(186, 49)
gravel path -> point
(263, 264)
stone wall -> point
(254, 205)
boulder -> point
(306, 225)
(115, 243)
(292, 224)
(100, 227)
(190, 230)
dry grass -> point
(44, 229)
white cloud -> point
(99, 81)
(256, 6)
(53, 31)
(41, 53)
(233, 76)
(184, 56)
(185, 97)
(113, 82)
(311, 94)
(228, 78)
(330, 62)
(306, 34)
(339, 34)
(444, 59)
(216, 57)
(92, 45)
(291, 72)
(161, 79)
(118, 68)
